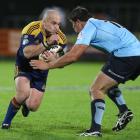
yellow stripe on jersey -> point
(32, 28)
(63, 39)
(35, 28)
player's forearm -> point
(63, 61)
(70, 57)
(33, 50)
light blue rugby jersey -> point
(109, 36)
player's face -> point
(77, 26)
(52, 24)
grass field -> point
(65, 110)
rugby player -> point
(123, 63)
(36, 37)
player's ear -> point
(44, 23)
(78, 21)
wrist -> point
(50, 65)
(42, 46)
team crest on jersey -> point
(25, 36)
(25, 41)
(80, 35)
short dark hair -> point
(80, 13)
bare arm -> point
(70, 57)
(33, 50)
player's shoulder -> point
(62, 37)
(93, 22)
(90, 23)
(33, 28)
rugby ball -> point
(54, 50)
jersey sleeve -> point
(27, 40)
(87, 34)
(30, 34)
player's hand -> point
(39, 64)
(53, 39)
(50, 56)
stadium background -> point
(64, 111)
(15, 14)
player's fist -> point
(53, 39)
(48, 56)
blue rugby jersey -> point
(109, 36)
